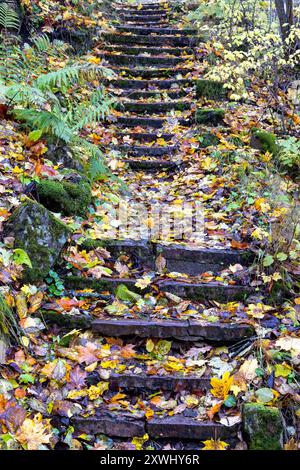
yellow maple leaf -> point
(95, 391)
(34, 432)
(212, 444)
(221, 387)
(140, 441)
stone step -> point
(144, 13)
(156, 30)
(190, 330)
(146, 136)
(160, 85)
(145, 6)
(158, 382)
(151, 165)
(200, 291)
(174, 427)
(175, 51)
(153, 108)
(151, 73)
(146, 122)
(159, 40)
(136, 95)
(139, 151)
(145, 19)
(179, 258)
(122, 59)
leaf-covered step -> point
(178, 258)
(159, 18)
(144, 95)
(152, 72)
(173, 51)
(145, 122)
(142, 7)
(194, 291)
(139, 151)
(163, 329)
(174, 83)
(175, 427)
(153, 108)
(158, 382)
(156, 30)
(146, 136)
(151, 61)
(151, 165)
(158, 40)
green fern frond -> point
(25, 95)
(47, 121)
(62, 77)
(9, 19)
(41, 43)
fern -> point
(47, 121)
(25, 95)
(9, 19)
(95, 110)
(41, 43)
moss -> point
(264, 141)
(66, 197)
(208, 139)
(65, 320)
(210, 89)
(40, 234)
(210, 116)
(263, 426)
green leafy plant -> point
(288, 156)
(55, 284)
(9, 19)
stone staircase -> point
(153, 60)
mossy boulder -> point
(210, 116)
(263, 427)
(264, 141)
(40, 234)
(210, 89)
(67, 197)
(208, 139)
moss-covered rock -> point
(61, 154)
(40, 234)
(208, 139)
(70, 198)
(264, 141)
(210, 116)
(210, 89)
(263, 426)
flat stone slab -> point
(216, 332)
(137, 84)
(144, 95)
(155, 123)
(157, 30)
(179, 427)
(150, 165)
(152, 61)
(149, 73)
(153, 108)
(175, 427)
(195, 291)
(177, 51)
(146, 136)
(150, 151)
(158, 382)
(179, 258)
(163, 40)
(110, 426)
(141, 328)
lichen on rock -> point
(263, 426)
(40, 234)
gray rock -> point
(40, 234)
(263, 426)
